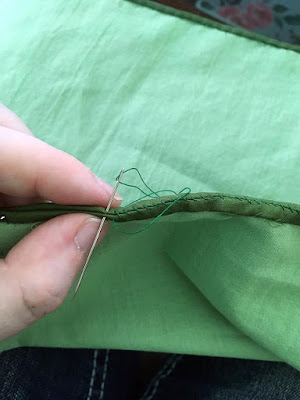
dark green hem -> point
(213, 24)
(145, 209)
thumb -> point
(38, 272)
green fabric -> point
(195, 202)
(198, 283)
(117, 84)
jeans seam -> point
(93, 375)
(163, 373)
(105, 368)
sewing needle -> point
(98, 233)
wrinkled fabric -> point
(117, 84)
(198, 283)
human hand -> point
(38, 272)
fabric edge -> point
(281, 212)
(216, 25)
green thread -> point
(118, 215)
(148, 195)
(155, 219)
(136, 187)
(151, 194)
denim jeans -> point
(80, 374)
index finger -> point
(30, 167)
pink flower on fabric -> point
(228, 11)
(259, 15)
(242, 20)
(235, 15)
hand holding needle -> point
(98, 233)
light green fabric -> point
(117, 84)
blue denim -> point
(78, 374)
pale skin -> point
(38, 272)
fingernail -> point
(86, 234)
(109, 189)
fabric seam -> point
(94, 366)
(105, 368)
(163, 373)
(201, 197)
(19, 214)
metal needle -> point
(98, 233)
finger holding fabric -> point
(37, 273)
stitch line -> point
(104, 374)
(198, 197)
(118, 214)
(164, 373)
(166, 364)
(214, 197)
(93, 374)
